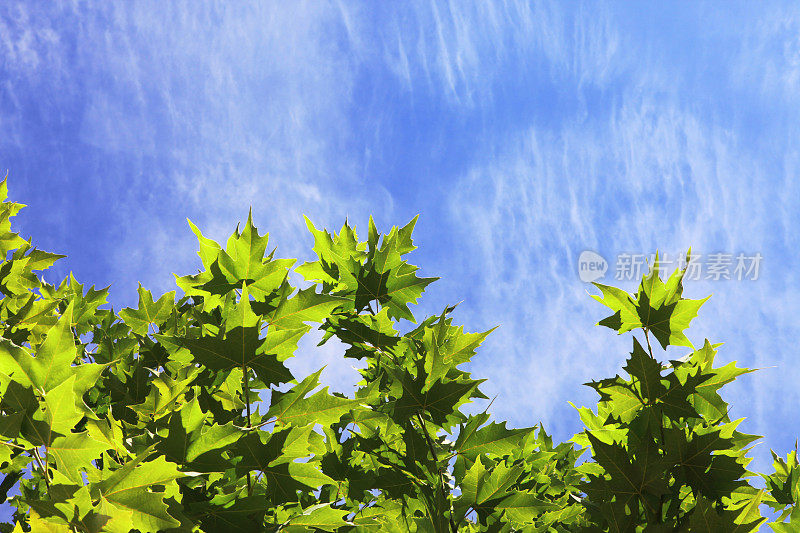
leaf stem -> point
(43, 468)
(658, 512)
(246, 388)
(12, 445)
(436, 465)
(257, 426)
(647, 338)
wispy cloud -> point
(200, 111)
(193, 111)
(769, 57)
(462, 52)
(654, 175)
(524, 133)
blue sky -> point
(522, 133)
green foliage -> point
(182, 415)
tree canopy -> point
(150, 419)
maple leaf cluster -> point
(181, 415)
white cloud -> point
(768, 58)
(204, 110)
(217, 109)
(27, 47)
(655, 176)
(461, 50)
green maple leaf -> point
(205, 442)
(305, 306)
(214, 281)
(59, 411)
(367, 335)
(624, 400)
(195, 442)
(258, 450)
(149, 312)
(109, 518)
(240, 345)
(492, 439)
(209, 249)
(496, 482)
(244, 260)
(470, 485)
(705, 517)
(640, 478)
(74, 452)
(320, 516)
(50, 424)
(30, 321)
(383, 515)
(210, 286)
(84, 306)
(784, 483)
(339, 257)
(493, 491)
(108, 431)
(296, 408)
(39, 259)
(16, 275)
(279, 344)
(42, 525)
(746, 504)
(125, 490)
(521, 507)
(788, 527)
(53, 362)
(677, 401)
(657, 307)
(8, 240)
(165, 392)
(439, 402)
(705, 398)
(713, 475)
(393, 289)
(378, 275)
(647, 372)
(275, 456)
(446, 347)
(619, 397)
(232, 512)
(19, 404)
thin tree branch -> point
(647, 338)
(436, 464)
(246, 388)
(43, 468)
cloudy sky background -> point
(522, 133)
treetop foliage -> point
(181, 415)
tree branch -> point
(436, 465)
